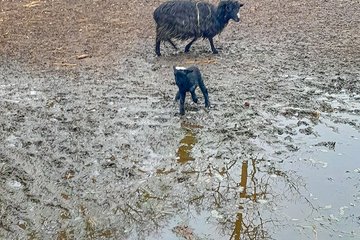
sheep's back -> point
(183, 19)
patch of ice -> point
(218, 176)
(13, 141)
(216, 214)
(324, 164)
(262, 201)
(342, 210)
(14, 184)
(333, 218)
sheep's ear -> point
(241, 4)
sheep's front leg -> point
(187, 47)
(213, 49)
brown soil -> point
(89, 137)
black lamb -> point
(187, 80)
(192, 20)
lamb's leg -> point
(204, 92)
(193, 96)
(182, 103)
(172, 44)
(213, 49)
(177, 97)
(187, 47)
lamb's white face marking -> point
(238, 15)
(180, 68)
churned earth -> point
(92, 146)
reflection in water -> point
(187, 143)
(236, 199)
(239, 217)
(251, 228)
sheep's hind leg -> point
(213, 49)
(172, 44)
(187, 47)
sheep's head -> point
(230, 9)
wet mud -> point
(92, 145)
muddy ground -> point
(92, 147)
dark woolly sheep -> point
(192, 20)
(187, 80)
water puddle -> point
(327, 163)
(310, 190)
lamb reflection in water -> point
(187, 143)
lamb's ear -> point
(241, 4)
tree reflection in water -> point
(231, 195)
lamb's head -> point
(230, 10)
(181, 71)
